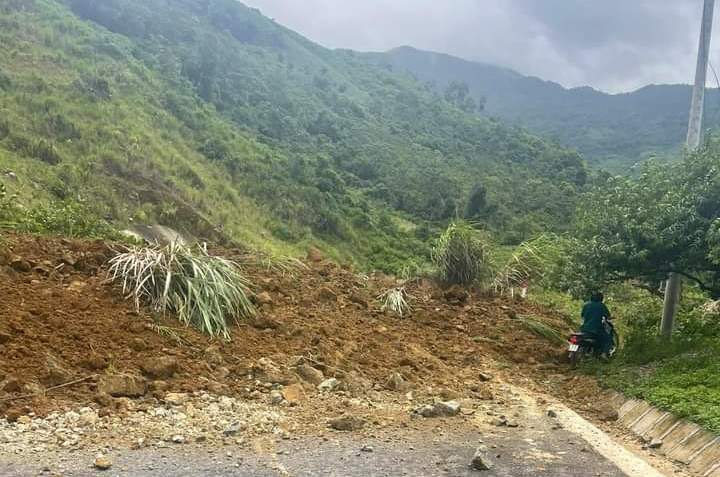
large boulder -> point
(310, 374)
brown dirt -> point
(61, 321)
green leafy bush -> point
(202, 290)
(461, 255)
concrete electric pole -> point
(672, 290)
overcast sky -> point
(613, 45)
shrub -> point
(68, 218)
(204, 291)
(461, 255)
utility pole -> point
(674, 284)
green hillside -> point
(612, 131)
(205, 115)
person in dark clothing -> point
(593, 314)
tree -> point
(665, 220)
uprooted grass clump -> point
(203, 291)
(395, 300)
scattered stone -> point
(606, 412)
(234, 428)
(263, 323)
(367, 449)
(395, 382)
(484, 377)
(160, 368)
(13, 385)
(480, 461)
(122, 385)
(25, 420)
(357, 298)
(552, 414)
(655, 443)
(347, 423)
(176, 399)
(13, 414)
(328, 385)
(20, 265)
(102, 463)
(310, 374)
(138, 344)
(293, 393)
(178, 439)
(94, 362)
(88, 417)
(326, 294)
(276, 397)
(440, 409)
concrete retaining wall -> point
(682, 441)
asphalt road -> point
(442, 452)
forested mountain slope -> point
(613, 131)
(205, 114)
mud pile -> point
(61, 322)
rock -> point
(160, 368)
(178, 439)
(176, 399)
(395, 382)
(26, 420)
(20, 265)
(122, 385)
(347, 423)
(94, 362)
(138, 344)
(293, 393)
(357, 298)
(264, 298)
(314, 255)
(367, 449)
(102, 463)
(456, 294)
(234, 428)
(310, 374)
(263, 323)
(484, 377)
(551, 413)
(328, 385)
(449, 394)
(606, 412)
(13, 385)
(440, 409)
(655, 443)
(327, 295)
(276, 397)
(103, 399)
(513, 424)
(56, 373)
(88, 418)
(480, 461)
(13, 414)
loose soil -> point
(62, 322)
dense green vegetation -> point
(611, 131)
(629, 234)
(207, 116)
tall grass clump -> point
(461, 255)
(530, 261)
(202, 290)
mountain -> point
(206, 115)
(613, 131)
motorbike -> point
(581, 345)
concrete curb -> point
(682, 441)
